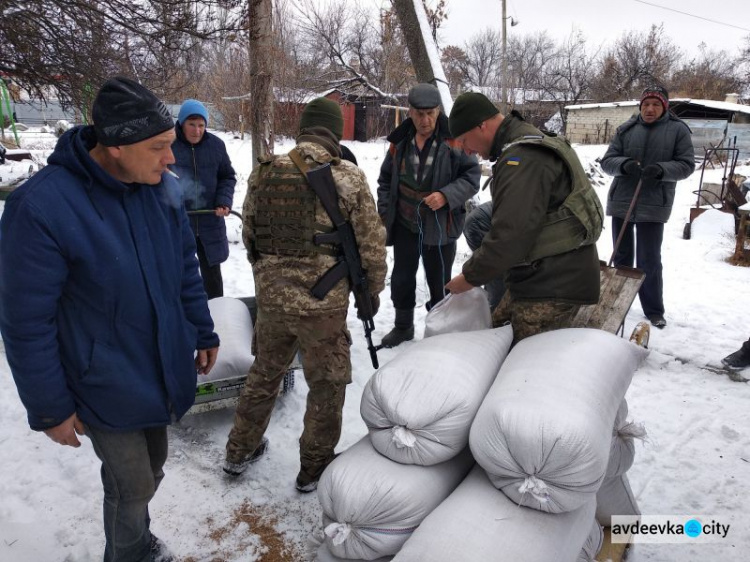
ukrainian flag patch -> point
(513, 161)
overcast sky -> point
(603, 21)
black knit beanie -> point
(322, 112)
(470, 110)
(125, 112)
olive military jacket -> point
(528, 182)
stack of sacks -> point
(419, 407)
(544, 437)
(233, 324)
(371, 504)
(544, 431)
(615, 496)
(479, 523)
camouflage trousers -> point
(324, 342)
(533, 317)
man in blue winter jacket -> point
(101, 304)
(207, 179)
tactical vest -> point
(284, 217)
(578, 220)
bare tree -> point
(529, 59)
(260, 20)
(570, 73)
(634, 62)
(711, 75)
(483, 57)
(435, 17)
(455, 64)
(745, 63)
(356, 53)
(66, 48)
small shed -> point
(364, 118)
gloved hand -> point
(653, 171)
(374, 303)
(631, 168)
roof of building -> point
(712, 104)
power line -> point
(691, 15)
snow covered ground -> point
(696, 458)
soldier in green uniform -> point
(546, 219)
(281, 216)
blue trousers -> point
(131, 471)
(647, 254)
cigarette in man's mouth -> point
(171, 173)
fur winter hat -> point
(192, 108)
(658, 92)
(322, 112)
(470, 110)
(124, 112)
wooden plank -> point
(612, 552)
(619, 286)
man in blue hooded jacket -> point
(101, 304)
(207, 179)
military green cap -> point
(322, 112)
(470, 110)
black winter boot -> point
(403, 329)
(738, 360)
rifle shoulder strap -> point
(296, 157)
(339, 270)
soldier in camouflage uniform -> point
(546, 219)
(281, 215)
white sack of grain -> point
(478, 523)
(234, 326)
(544, 430)
(593, 544)
(419, 406)
(615, 497)
(463, 312)
(622, 450)
(372, 504)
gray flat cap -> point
(424, 96)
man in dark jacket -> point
(101, 303)
(207, 179)
(546, 219)
(423, 185)
(654, 147)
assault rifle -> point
(321, 182)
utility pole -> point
(504, 77)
